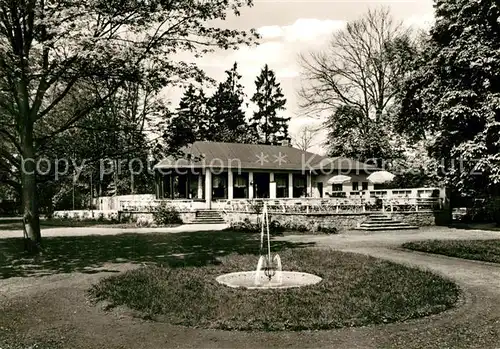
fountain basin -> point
(246, 279)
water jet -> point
(269, 273)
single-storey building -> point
(214, 171)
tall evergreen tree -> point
(189, 124)
(268, 125)
(226, 118)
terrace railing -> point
(333, 205)
(147, 206)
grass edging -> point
(479, 250)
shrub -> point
(245, 227)
(301, 228)
(327, 230)
(165, 214)
(275, 228)
(100, 217)
(125, 218)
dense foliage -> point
(61, 60)
(452, 96)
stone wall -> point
(186, 216)
(114, 215)
(105, 215)
(340, 221)
(419, 219)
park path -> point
(82, 231)
(55, 308)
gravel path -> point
(54, 311)
(82, 231)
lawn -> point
(481, 250)
(356, 290)
(89, 253)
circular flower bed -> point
(356, 290)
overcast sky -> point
(289, 28)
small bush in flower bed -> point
(276, 228)
(356, 290)
(165, 214)
(246, 226)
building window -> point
(240, 182)
(337, 187)
(299, 182)
(364, 186)
(299, 186)
(355, 186)
(219, 187)
(281, 185)
(240, 187)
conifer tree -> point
(189, 123)
(268, 125)
(226, 118)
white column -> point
(309, 184)
(250, 185)
(290, 185)
(230, 183)
(200, 186)
(272, 186)
(208, 188)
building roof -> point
(254, 157)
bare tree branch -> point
(354, 69)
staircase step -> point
(384, 226)
(385, 221)
(407, 227)
(209, 219)
(378, 215)
(208, 222)
(382, 223)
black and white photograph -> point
(249, 174)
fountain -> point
(269, 273)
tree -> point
(114, 133)
(352, 135)
(354, 80)
(451, 98)
(306, 137)
(49, 49)
(189, 123)
(269, 126)
(226, 118)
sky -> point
(289, 28)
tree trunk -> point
(31, 219)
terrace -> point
(386, 200)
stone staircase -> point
(378, 222)
(208, 217)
